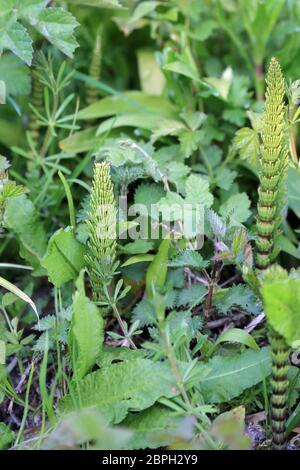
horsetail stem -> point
(102, 230)
(273, 163)
(92, 93)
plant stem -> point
(279, 384)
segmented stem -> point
(92, 93)
(279, 384)
(37, 100)
(102, 231)
(273, 163)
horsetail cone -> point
(101, 225)
(273, 163)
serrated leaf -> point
(230, 376)
(64, 257)
(15, 75)
(282, 307)
(192, 295)
(144, 313)
(146, 382)
(17, 40)
(240, 296)
(236, 209)
(57, 25)
(225, 178)
(189, 258)
(197, 191)
(97, 3)
(6, 436)
(87, 328)
(247, 142)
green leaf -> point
(64, 257)
(146, 382)
(17, 40)
(236, 335)
(19, 293)
(97, 3)
(236, 209)
(6, 436)
(191, 296)
(15, 75)
(87, 329)
(229, 376)
(152, 428)
(139, 246)
(157, 271)
(144, 313)
(293, 187)
(22, 218)
(240, 296)
(128, 102)
(138, 259)
(189, 258)
(225, 178)
(57, 25)
(282, 307)
(247, 142)
(197, 191)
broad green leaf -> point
(223, 84)
(21, 217)
(151, 428)
(229, 376)
(236, 335)
(151, 122)
(64, 257)
(87, 328)
(26, 8)
(139, 246)
(133, 385)
(81, 141)
(151, 77)
(157, 271)
(282, 307)
(128, 102)
(236, 209)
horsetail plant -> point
(101, 259)
(273, 164)
(92, 93)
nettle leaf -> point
(152, 428)
(64, 257)
(25, 8)
(57, 25)
(282, 307)
(229, 376)
(225, 178)
(197, 191)
(146, 382)
(15, 74)
(236, 209)
(144, 313)
(238, 296)
(189, 141)
(189, 258)
(17, 40)
(22, 217)
(87, 329)
(97, 3)
(191, 296)
(247, 142)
